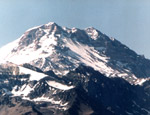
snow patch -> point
(33, 74)
(59, 85)
(93, 33)
(24, 90)
(141, 81)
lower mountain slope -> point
(82, 91)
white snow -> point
(59, 85)
(36, 27)
(26, 89)
(90, 57)
(74, 30)
(6, 81)
(23, 91)
(42, 98)
(28, 53)
(93, 33)
(51, 100)
(112, 38)
(47, 99)
(5, 50)
(33, 74)
(122, 74)
(78, 53)
(50, 23)
(23, 79)
(140, 81)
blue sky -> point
(126, 20)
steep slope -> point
(83, 91)
(51, 47)
(24, 90)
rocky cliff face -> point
(83, 91)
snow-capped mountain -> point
(60, 49)
(53, 70)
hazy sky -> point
(126, 20)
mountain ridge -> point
(60, 49)
(54, 70)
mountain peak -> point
(52, 47)
(50, 24)
(56, 70)
(92, 32)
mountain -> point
(60, 49)
(54, 70)
(82, 91)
